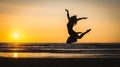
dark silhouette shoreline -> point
(60, 62)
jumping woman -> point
(72, 21)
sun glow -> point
(45, 21)
(16, 35)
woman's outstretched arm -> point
(68, 16)
(82, 18)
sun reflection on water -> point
(56, 55)
(47, 55)
(15, 55)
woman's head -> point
(74, 19)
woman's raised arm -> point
(68, 16)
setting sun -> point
(16, 35)
(46, 21)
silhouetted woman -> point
(73, 36)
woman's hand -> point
(84, 18)
(66, 10)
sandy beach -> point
(59, 62)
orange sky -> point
(45, 20)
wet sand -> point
(59, 62)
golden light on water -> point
(15, 55)
(47, 55)
(54, 55)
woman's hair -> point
(74, 18)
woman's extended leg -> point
(79, 37)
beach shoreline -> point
(59, 62)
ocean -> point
(60, 50)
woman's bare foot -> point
(84, 33)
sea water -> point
(60, 50)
